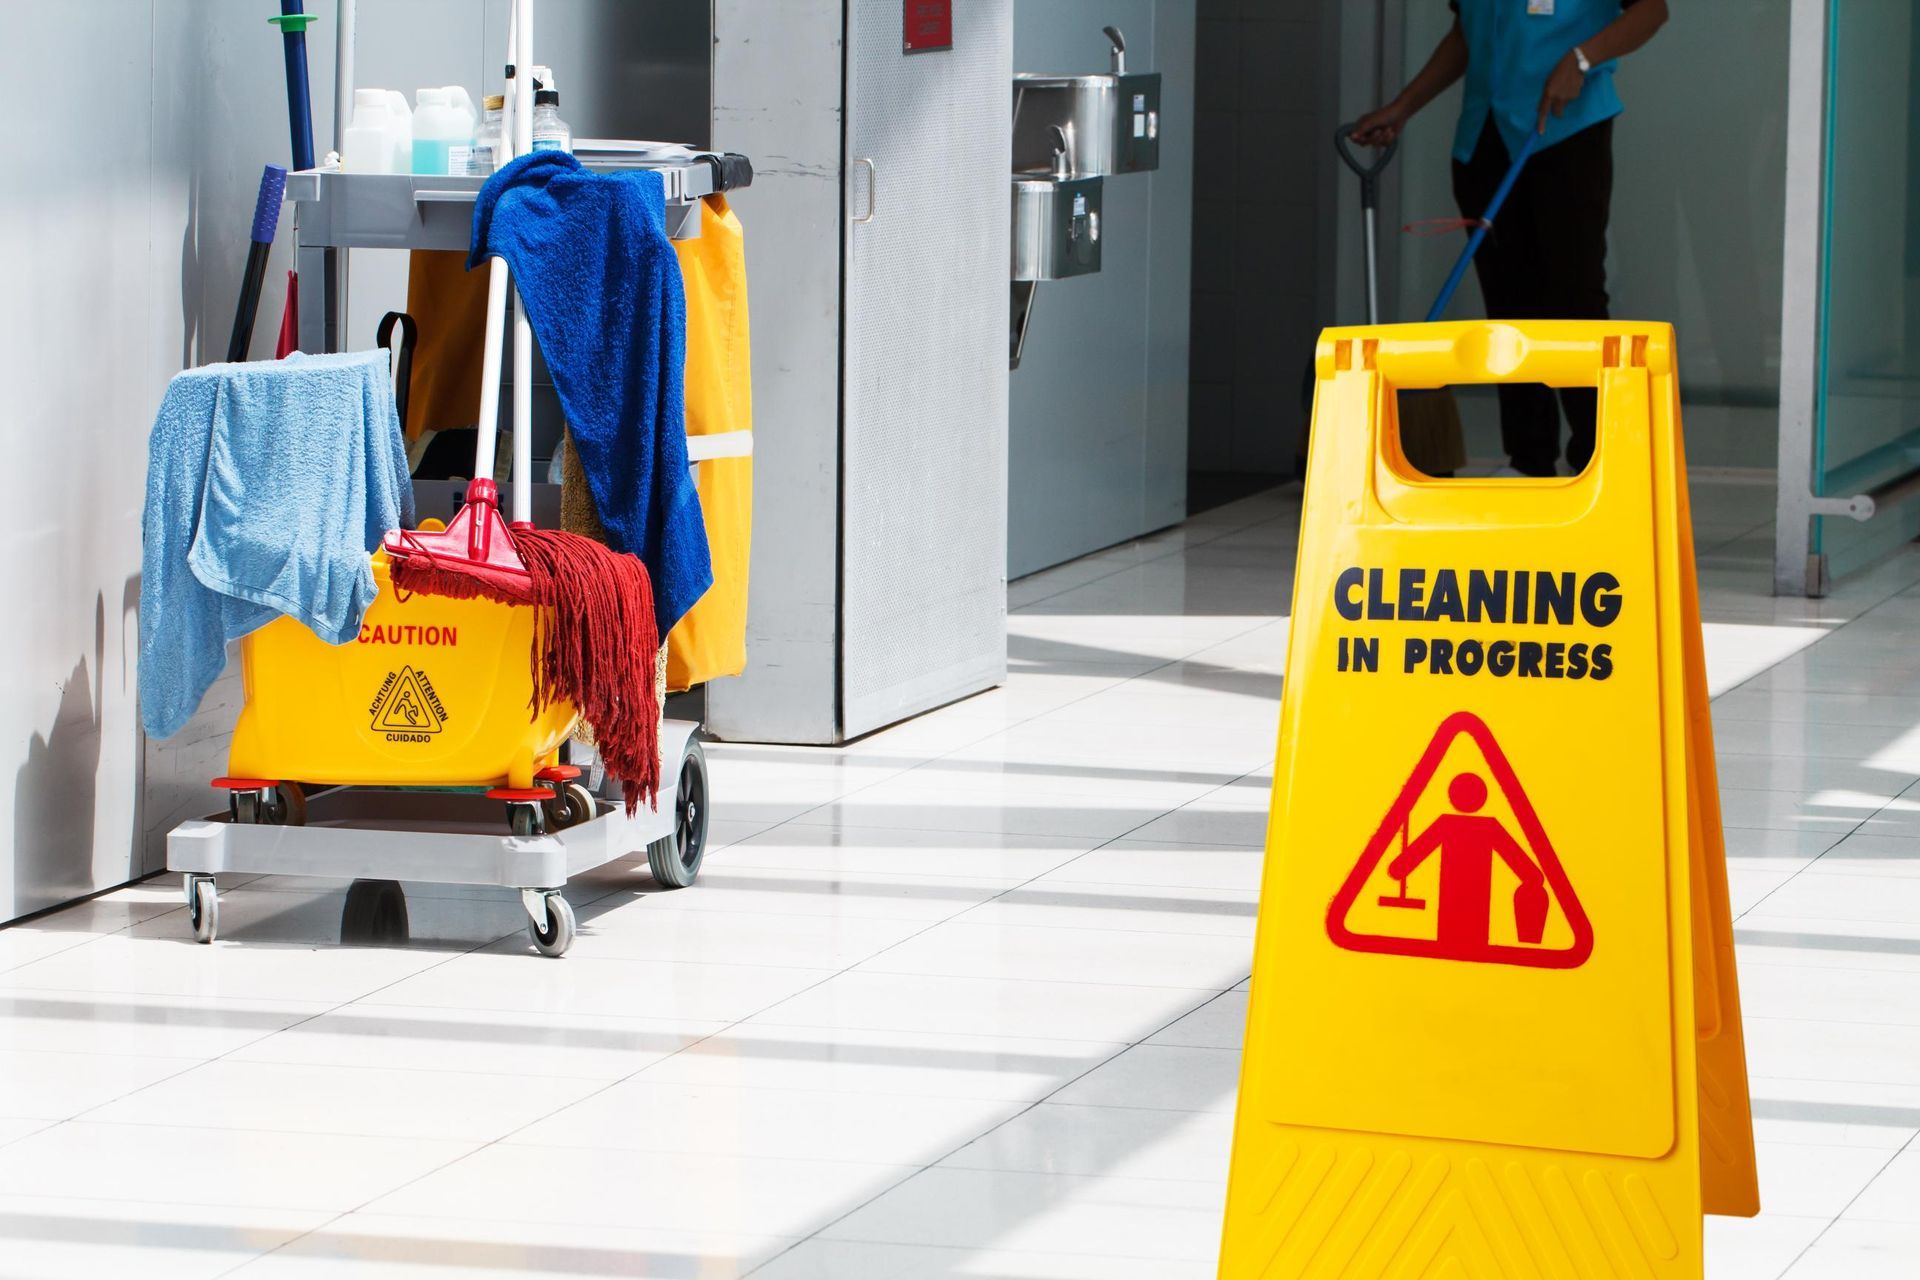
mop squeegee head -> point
(472, 556)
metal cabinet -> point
(877, 252)
(924, 463)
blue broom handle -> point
(1439, 306)
(299, 101)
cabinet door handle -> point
(873, 191)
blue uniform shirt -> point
(1512, 46)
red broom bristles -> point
(595, 641)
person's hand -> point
(1563, 86)
(1380, 126)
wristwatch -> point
(1580, 60)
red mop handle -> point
(485, 493)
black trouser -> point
(1545, 259)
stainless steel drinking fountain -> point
(1112, 120)
(1069, 134)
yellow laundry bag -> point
(711, 640)
(449, 303)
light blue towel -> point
(267, 486)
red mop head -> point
(472, 556)
(595, 640)
(595, 647)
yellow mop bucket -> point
(433, 692)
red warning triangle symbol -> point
(1462, 871)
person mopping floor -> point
(1545, 66)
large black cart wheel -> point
(675, 859)
(375, 914)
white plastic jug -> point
(368, 147)
(402, 130)
(380, 139)
(442, 122)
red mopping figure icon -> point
(1467, 842)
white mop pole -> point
(497, 285)
(522, 331)
(507, 103)
(343, 38)
(343, 24)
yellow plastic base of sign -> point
(1494, 1026)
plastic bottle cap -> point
(432, 98)
(370, 97)
(494, 102)
(546, 97)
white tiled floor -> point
(962, 999)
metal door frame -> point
(1796, 571)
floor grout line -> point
(1027, 605)
(1855, 1199)
(1855, 828)
(826, 1226)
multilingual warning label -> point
(406, 709)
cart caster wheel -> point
(675, 859)
(284, 805)
(552, 930)
(287, 806)
(571, 807)
(524, 819)
(375, 914)
(203, 908)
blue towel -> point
(267, 486)
(601, 284)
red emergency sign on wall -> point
(927, 26)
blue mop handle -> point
(266, 215)
(266, 205)
(1439, 306)
(293, 23)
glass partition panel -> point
(1867, 414)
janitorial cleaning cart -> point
(411, 753)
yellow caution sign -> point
(1495, 1029)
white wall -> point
(122, 238)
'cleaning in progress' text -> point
(1497, 597)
